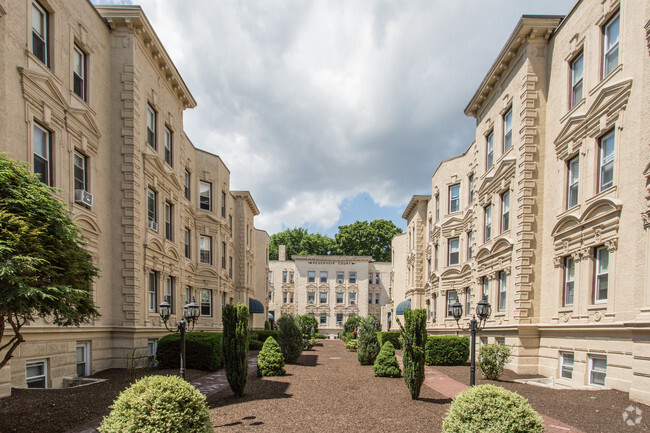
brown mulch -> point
(599, 411)
(59, 410)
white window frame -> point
(503, 291)
(377, 298)
(352, 277)
(80, 171)
(152, 208)
(169, 221)
(577, 73)
(207, 304)
(454, 198)
(169, 146)
(352, 298)
(151, 127)
(471, 188)
(85, 346)
(599, 370)
(370, 298)
(469, 245)
(323, 277)
(169, 292)
(205, 200)
(311, 298)
(598, 253)
(605, 161)
(569, 281)
(489, 150)
(340, 277)
(567, 361)
(44, 19)
(311, 276)
(79, 71)
(437, 207)
(340, 297)
(452, 297)
(609, 47)
(202, 243)
(152, 348)
(505, 211)
(339, 318)
(38, 378)
(323, 319)
(187, 188)
(46, 159)
(320, 298)
(468, 301)
(453, 256)
(487, 216)
(507, 130)
(485, 283)
(152, 291)
(573, 181)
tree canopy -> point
(44, 269)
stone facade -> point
(546, 213)
(91, 94)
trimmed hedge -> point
(255, 345)
(447, 350)
(263, 335)
(321, 336)
(392, 336)
(202, 351)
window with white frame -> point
(43, 154)
(611, 33)
(188, 295)
(484, 341)
(152, 347)
(435, 257)
(454, 198)
(437, 207)
(223, 204)
(152, 209)
(489, 150)
(377, 280)
(323, 298)
(503, 290)
(311, 297)
(500, 341)
(485, 283)
(270, 277)
(597, 370)
(80, 172)
(151, 126)
(206, 302)
(507, 130)
(187, 191)
(353, 277)
(352, 298)
(169, 221)
(471, 188)
(569, 280)
(223, 255)
(323, 319)
(153, 291)
(377, 298)
(291, 275)
(339, 318)
(573, 181)
(469, 245)
(205, 246)
(454, 251)
(606, 162)
(434, 311)
(188, 243)
(83, 359)
(205, 195)
(468, 301)
(323, 277)
(284, 277)
(40, 33)
(79, 72)
(36, 374)
(505, 211)
(369, 298)
(429, 268)
(601, 275)
(576, 79)
(370, 277)
(285, 297)
(487, 218)
(311, 276)
(169, 293)
(566, 366)
(339, 297)
(340, 277)
(169, 146)
(452, 298)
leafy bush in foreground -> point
(368, 346)
(386, 364)
(290, 339)
(492, 359)
(270, 361)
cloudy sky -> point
(334, 111)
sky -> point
(334, 111)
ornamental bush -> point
(386, 364)
(392, 336)
(492, 359)
(267, 325)
(255, 344)
(235, 346)
(447, 350)
(351, 344)
(263, 335)
(351, 324)
(202, 351)
(489, 408)
(320, 336)
(270, 361)
(414, 337)
(158, 404)
(368, 346)
(290, 339)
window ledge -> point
(612, 189)
(597, 307)
(566, 309)
(569, 211)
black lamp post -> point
(190, 316)
(483, 310)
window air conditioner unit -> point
(83, 197)
(153, 225)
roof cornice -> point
(248, 198)
(529, 27)
(415, 200)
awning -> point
(255, 306)
(271, 316)
(402, 307)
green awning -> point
(402, 307)
(255, 306)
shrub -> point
(270, 361)
(392, 336)
(290, 339)
(414, 337)
(351, 324)
(321, 336)
(351, 345)
(202, 351)
(263, 335)
(306, 322)
(386, 364)
(308, 343)
(368, 346)
(235, 346)
(447, 350)
(492, 358)
(489, 408)
(267, 325)
(255, 344)
(158, 404)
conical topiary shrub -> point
(270, 361)
(386, 364)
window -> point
(489, 145)
(151, 126)
(188, 244)
(205, 249)
(454, 198)
(169, 292)
(340, 277)
(323, 277)
(606, 162)
(507, 130)
(576, 79)
(352, 298)
(573, 179)
(152, 214)
(205, 195)
(487, 212)
(153, 291)
(230, 225)
(152, 347)
(353, 277)
(377, 298)
(83, 359)
(377, 280)
(435, 307)
(291, 297)
(36, 374)
(169, 147)
(43, 154)
(188, 294)
(429, 268)
(601, 275)
(223, 204)
(284, 277)
(80, 172)
(40, 33)
(452, 298)
(569, 280)
(505, 211)
(323, 298)
(468, 301)
(323, 319)
(500, 341)
(369, 298)
(169, 221)
(503, 286)
(188, 182)
(206, 302)
(430, 229)
(471, 188)
(291, 277)
(270, 277)
(370, 274)
(223, 255)
(339, 298)
(566, 366)
(435, 258)
(79, 72)
(610, 45)
(311, 297)
(597, 370)
(454, 245)
(339, 318)
(437, 207)
(484, 341)
(230, 267)
(285, 296)
(486, 288)
(469, 245)
(311, 276)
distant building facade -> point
(546, 215)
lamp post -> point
(483, 310)
(189, 318)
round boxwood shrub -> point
(489, 408)
(270, 361)
(158, 404)
(492, 359)
(446, 350)
(386, 364)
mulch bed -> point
(590, 411)
(59, 410)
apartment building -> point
(331, 288)
(546, 213)
(93, 102)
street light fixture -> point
(483, 310)
(190, 316)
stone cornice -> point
(248, 198)
(415, 200)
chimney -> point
(282, 253)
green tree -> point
(270, 361)
(290, 338)
(367, 239)
(414, 335)
(235, 346)
(351, 324)
(307, 323)
(44, 269)
(368, 345)
(300, 242)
